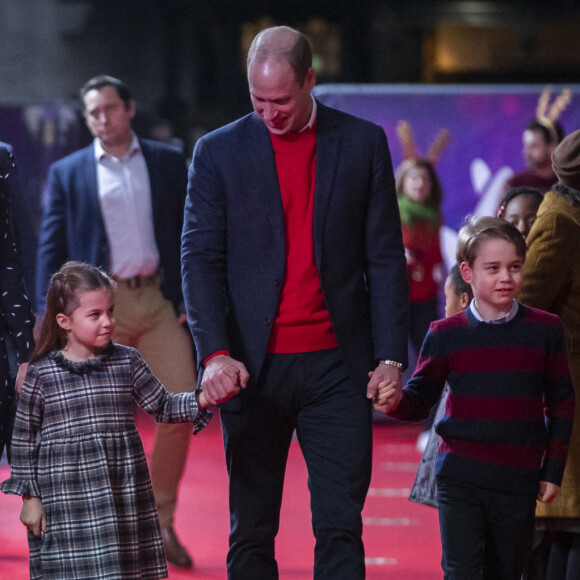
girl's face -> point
(90, 326)
(417, 184)
(521, 212)
(454, 303)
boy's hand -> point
(387, 395)
(548, 491)
(32, 515)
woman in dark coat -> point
(16, 319)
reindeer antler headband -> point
(438, 145)
(548, 118)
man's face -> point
(108, 117)
(278, 99)
(535, 149)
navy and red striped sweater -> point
(508, 419)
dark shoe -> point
(175, 553)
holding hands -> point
(223, 378)
(385, 388)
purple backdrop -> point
(485, 123)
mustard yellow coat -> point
(552, 283)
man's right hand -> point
(223, 378)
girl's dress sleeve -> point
(25, 440)
(165, 407)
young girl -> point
(420, 195)
(458, 295)
(78, 461)
(519, 207)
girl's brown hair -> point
(436, 196)
(66, 286)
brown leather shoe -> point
(175, 553)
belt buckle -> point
(133, 283)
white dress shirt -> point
(125, 198)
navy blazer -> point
(233, 243)
(72, 225)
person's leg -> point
(147, 321)
(462, 525)
(564, 559)
(509, 532)
(573, 568)
(558, 557)
(334, 429)
(537, 562)
(257, 439)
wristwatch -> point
(391, 363)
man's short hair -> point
(298, 52)
(477, 231)
(550, 134)
(100, 82)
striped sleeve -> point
(426, 385)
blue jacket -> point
(233, 246)
(72, 223)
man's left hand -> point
(382, 376)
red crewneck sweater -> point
(302, 322)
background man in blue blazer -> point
(118, 204)
(295, 287)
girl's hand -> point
(32, 515)
(548, 491)
(201, 400)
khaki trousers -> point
(146, 320)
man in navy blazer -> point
(118, 204)
(295, 287)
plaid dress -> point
(88, 466)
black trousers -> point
(313, 394)
(485, 533)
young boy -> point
(508, 419)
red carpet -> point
(401, 538)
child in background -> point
(419, 194)
(78, 461)
(508, 420)
(458, 295)
(519, 207)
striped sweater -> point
(508, 418)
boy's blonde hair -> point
(480, 230)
